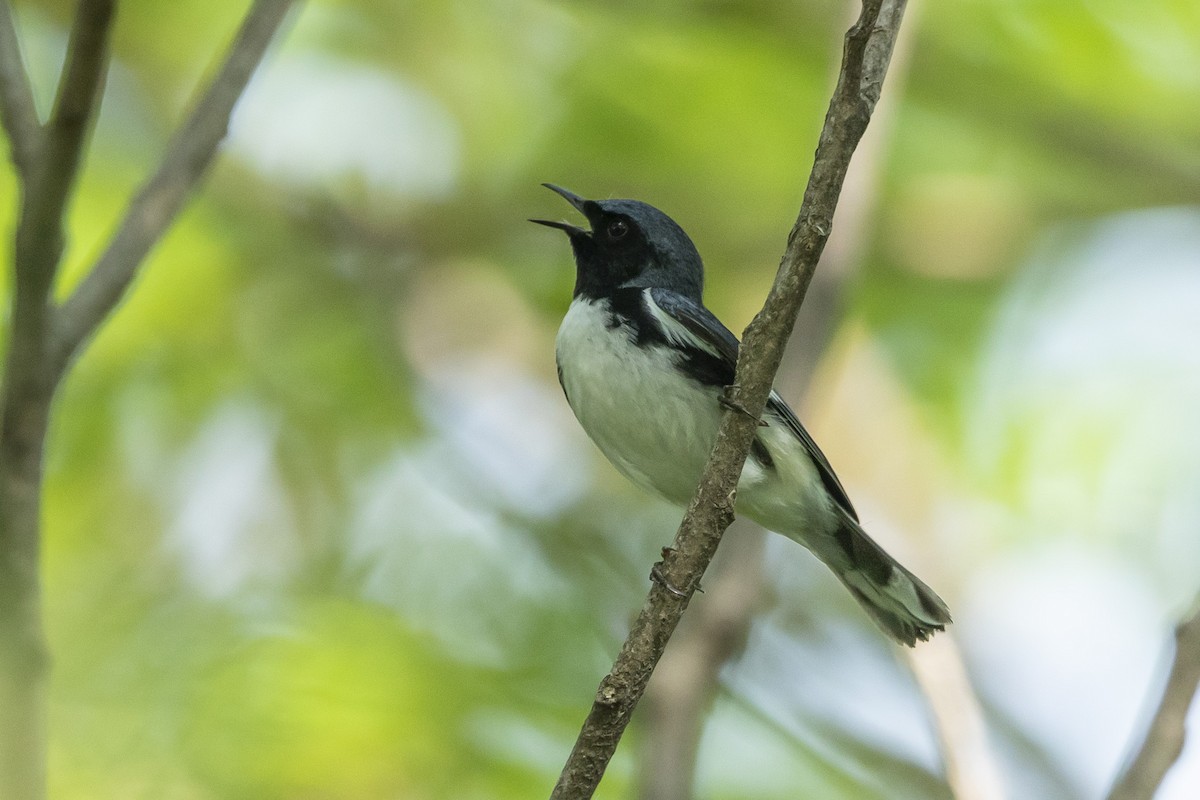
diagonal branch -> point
(48, 183)
(79, 89)
(151, 211)
(687, 679)
(1164, 739)
(867, 51)
(941, 675)
(18, 112)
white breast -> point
(658, 427)
(654, 425)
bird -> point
(644, 366)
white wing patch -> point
(675, 331)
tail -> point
(897, 600)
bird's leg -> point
(656, 575)
(733, 405)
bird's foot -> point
(733, 405)
(656, 575)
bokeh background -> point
(319, 523)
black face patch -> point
(614, 253)
(630, 244)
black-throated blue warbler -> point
(644, 366)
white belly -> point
(655, 428)
(658, 430)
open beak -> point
(572, 198)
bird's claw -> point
(656, 575)
(733, 405)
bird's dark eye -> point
(617, 229)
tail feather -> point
(899, 602)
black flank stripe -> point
(705, 368)
(560, 382)
(758, 451)
(630, 312)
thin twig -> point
(686, 680)
(868, 48)
(39, 242)
(1164, 738)
(18, 112)
(151, 211)
(47, 162)
(971, 769)
(42, 337)
(79, 89)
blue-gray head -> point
(631, 244)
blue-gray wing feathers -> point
(715, 338)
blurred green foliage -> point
(287, 553)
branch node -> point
(18, 113)
(188, 155)
(726, 507)
(608, 694)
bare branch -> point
(686, 680)
(79, 88)
(42, 338)
(685, 683)
(48, 186)
(18, 112)
(971, 770)
(151, 211)
(868, 48)
(47, 162)
(1164, 739)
